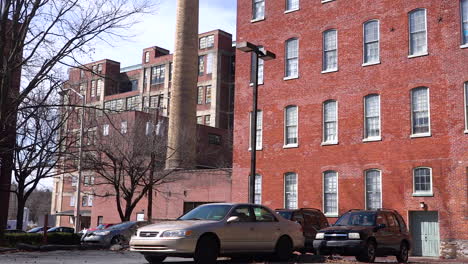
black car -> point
(61, 229)
(311, 220)
(38, 229)
(366, 234)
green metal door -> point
(425, 233)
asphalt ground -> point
(126, 257)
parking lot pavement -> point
(126, 257)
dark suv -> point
(366, 234)
(311, 220)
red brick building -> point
(365, 106)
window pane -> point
(418, 32)
(420, 107)
(290, 189)
(465, 21)
(373, 190)
(371, 42)
(291, 125)
(422, 180)
(292, 53)
(330, 59)
(292, 4)
(258, 189)
(209, 63)
(330, 121)
(466, 105)
(258, 131)
(258, 9)
(330, 189)
(372, 114)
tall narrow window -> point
(208, 94)
(371, 42)
(290, 190)
(292, 5)
(422, 184)
(147, 56)
(420, 111)
(258, 189)
(100, 87)
(259, 131)
(201, 65)
(466, 107)
(330, 122)
(209, 63)
(123, 127)
(207, 120)
(291, 126)
(292, 58)
(93, 88)
(258, 9)
(330, 193)
(105, 130)
(464, 16)
(372, 116)
(330, 50)
(200, 95)
(418, 32)
(260, 69)
(373, 190)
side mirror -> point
(232, 219)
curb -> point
(27, 247)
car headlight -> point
(320, 236)
(101, 233)
(177, 233)
(354, 236)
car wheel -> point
(369, 253)
(117, 240)
(155, 259)
(283, 249)
(207, 250)
(402, 256)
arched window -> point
(291, 58)
(371, 42)
(373, 189)
(330, 193)
(422, 181)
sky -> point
(158, 29)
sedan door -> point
(267, 229)
(239, 235)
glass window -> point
(213, 212)
(243, 212)
(466, 106)
(330, 50)
(132, 102)
(258, 9)
(200, 120)
(72, 200)
(372, 116)
(292, 58)
(208, 94)
(123, 127)
(207, 120)
(200, 95)
(290, 190)
(330, 122)
(373, 190)
(291, 125)
(201, 65)
(420, 110)
(371, 42)
(210, 41)
(292, 5)
(157, 74)
(147, 56)
(258, 189)
(100, 87)
(263, 215)
(260, 68)
(93, 88)
(330, 193)
(422, 181)
(464, 10)
(203, 43)
(83, 87)
(209, 63)
(259, 132)
(84, 201)
(418, 32)
(105, 130)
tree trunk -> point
(20, 213)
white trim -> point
(291, 145)
(464, 46)
(465, 106)
(423, 193)
(291, 10)
(329, 143)
(284, 189)
(372, 139)
(290, 78)
(418, 55)
(364, 63)
(375, 138)
(326, 1)
(409, 34)
(370, 63)
(337, 195)
(365, 187)
(421, 135)
(335, 142)
(257, 20)
(331, 70)
(426, 134)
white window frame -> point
(364, 62)
(105, 130)
(209, 63)
(465, 88)
(365, 187)
(254, 11)
(258, 191)
(331, 214)
(464, 40)
(366, 137)
(259, 145)
(123, 127)
(284, 189)
(423, 193)
(90, 200)
(425, 134)
(289, 10)
(426, 52)
(73, 200)
(324, 70)
(290, 145)
(147, 56)
(324, 141)
(286, 59)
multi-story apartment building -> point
(136, 98)
(365, 106)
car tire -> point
(402, 256)
(369, 253)
(207, 250)
(283, 249)
(117, 240)
(154, 259)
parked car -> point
(366, 234)
(222, 229)
(14, 231)
(37, 229)
(100, 227)
(115, 235)
(61, 229)
(311, 220)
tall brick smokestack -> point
(182, 117)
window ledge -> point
(331, 215)
(420, 135)
(423, 194)
(466, 131)
(370, 63)
(290, 78)
(328, 71)
(329, 143)
(418, 55)
(290, 11)
(257, 19)
(372, 139)
(258, 149)
(291, 146)
(326, 1)
(251, 84)
(464, 46)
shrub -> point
(37, 239)
(63, 239)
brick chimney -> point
(182, 132)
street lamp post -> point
(258, 53)
(77, 214)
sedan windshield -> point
(356, 219)
(124, 225)
(213, 212)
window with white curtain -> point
(290, 190)
(258, 189)
(291, 126)
(258, 9)
(418, 32)
(259, 131)
(330, 122)
(292, 5)
(372, 116)
(464, 16)
(330, 193)
(371, 42)
(373, 190)
(292, 58)
(420, 111)
(422, 184)
(330, 50)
